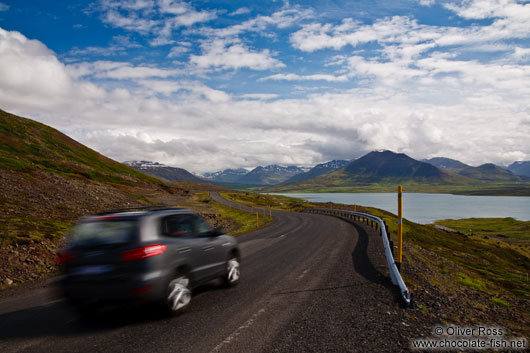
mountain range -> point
(381, 171)
(163, 172)
(377, 167)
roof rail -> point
(139, 208)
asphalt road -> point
(310, 283)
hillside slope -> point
(47, 181)
(490, 172)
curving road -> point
(310, 283)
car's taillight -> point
(63, 257)
(143, 252)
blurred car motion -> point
(144, 255)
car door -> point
(178, 232)
(212, 248)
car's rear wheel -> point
(178, 295)
(232, 271)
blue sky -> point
(207, 85)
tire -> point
(178, 295)
(232, 271)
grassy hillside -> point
(508, 229)
(47, 181)
(26, 145)
(490, 172)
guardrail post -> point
(400, 228)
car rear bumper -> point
(119, 291)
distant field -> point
(502, 227)
(476, 188)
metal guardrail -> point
(395, 275)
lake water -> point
(426, 208)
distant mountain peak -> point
(447, 163)
(318, 170)
(521, 168)
(376, 166)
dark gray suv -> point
(148, 255)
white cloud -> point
(260, 96)
(240, 11)
(315, 77)
(33, 76)
(179, 50)
(284, 18)
(130, 21)
(148, 17)
(189, 89)
(427, 2)
(521, 54)
(118, 46)
(117, 70)
(219, 54)
(3, 7)
(481, 9)
(316, 36)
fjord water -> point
(426, 208)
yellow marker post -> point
(400, 228)
(257, 220)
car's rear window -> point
(104, 232)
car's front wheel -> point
(178, 295)
(232, 271)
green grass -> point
(244, 222)
(500, 302)
(472, 283)
(277, 202)
(508, 227)
(24, 230)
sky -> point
(208, 85)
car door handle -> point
(208, 248)
(183, 250)
(226, 244)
